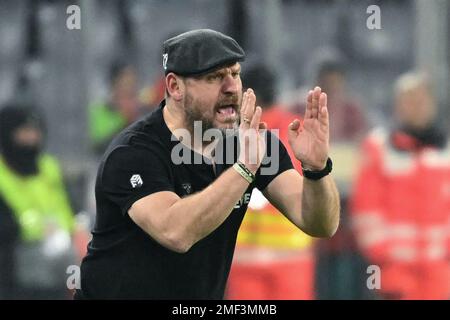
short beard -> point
(193, 113)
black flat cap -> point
(199, 51)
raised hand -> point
(310, 140)
(252, 143)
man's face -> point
(416, 107)
(332, 83)
(27, 136)
(214, 99)
(124, 94)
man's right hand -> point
(251, 139)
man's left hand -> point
(310, 141)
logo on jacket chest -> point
(187, 188)
(136, 181)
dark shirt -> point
(125, 262)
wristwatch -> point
(317, 175)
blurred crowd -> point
(392, 165)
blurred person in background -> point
(349, 120)
(36, 219)
(108, 118)
(401, 198)
(337, 260)
(273, 258)
(151, 95)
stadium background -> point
(61, 71)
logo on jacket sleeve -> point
(136, 181)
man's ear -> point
(175, 86)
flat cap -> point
(199, 51)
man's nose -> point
(230, 84)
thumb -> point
(294, 126)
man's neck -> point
(173, 117)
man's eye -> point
(214, 77)
(235, 74)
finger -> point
(246, 149)
(294, 127)
(308, 110)
(315, 102)
(323, 116)
(251, 100)
(244, 110)
(244, 104)
(322, 100)
(256, 118)
(247, 115)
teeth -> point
(226, 110)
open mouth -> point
(227, 110)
